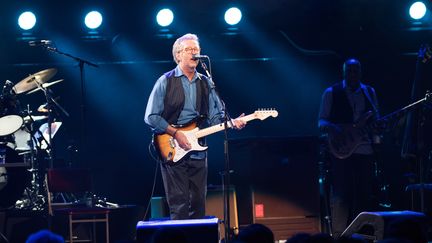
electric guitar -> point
(343, 139)
(170, 151)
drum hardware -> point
(51, 105)
(45, 85)
(42, 139)
(34, 118)
(43, 108)
(7, 87)
(28, 145)
(21, 176)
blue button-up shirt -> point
(155, 104)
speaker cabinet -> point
(190, 230)
(159, 208)
(374, 226)
(276, 181)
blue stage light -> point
(233, 16)
(417, 10)
(93, 20)
(164, 17)
(27, 20)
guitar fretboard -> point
(221, 126)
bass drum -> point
(14, 177)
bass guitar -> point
(170, 151)
(343, 139)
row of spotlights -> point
(165, 17)
(93, 19)
(27, 20)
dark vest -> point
(175, 98)
(341, 110)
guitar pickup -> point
(172, 143)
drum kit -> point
(21, 176)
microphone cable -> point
(151, 150)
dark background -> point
(282, 55)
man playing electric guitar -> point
(178, 97)
(352, 173)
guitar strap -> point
(367, 92)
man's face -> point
(184, 57)
(352, 74)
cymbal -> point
(32, 80)
(43, 108)
(45, 85)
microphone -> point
(199, 57)
(40, 43)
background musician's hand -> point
(239, 123)
(182, 140)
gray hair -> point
(177, 46)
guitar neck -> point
(221, 126)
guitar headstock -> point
(265, 113)
(428, 96)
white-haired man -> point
(178, 97)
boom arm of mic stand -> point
(81, 63)
(80, 60)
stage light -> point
(417, 10)
(164, 17)
(27, 20)
(93, 20)
(233, 16)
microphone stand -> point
(226, 172)
(81, 63)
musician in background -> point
(178, 97)
(353, 178)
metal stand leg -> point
(3, 238)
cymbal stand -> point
(35, 198)
(3, 238)
(51, 104)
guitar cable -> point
(151, 150)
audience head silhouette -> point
(45, 236)
(256, 233)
